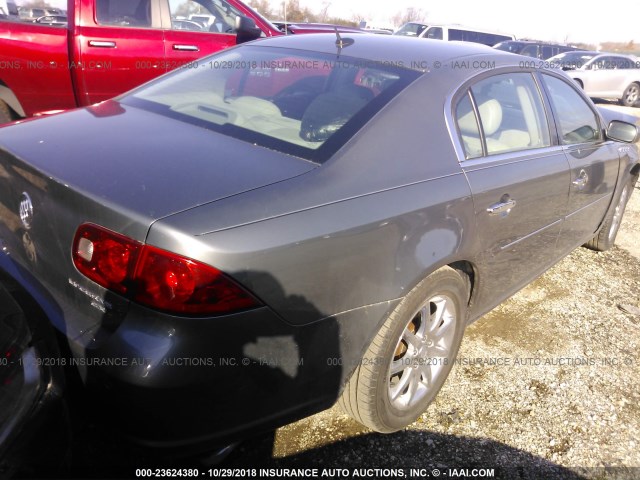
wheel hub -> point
(416, 364)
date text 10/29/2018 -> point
(317, 473)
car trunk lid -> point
(124, 173)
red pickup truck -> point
(101, 48)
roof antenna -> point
(342, 42)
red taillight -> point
(106, 257)
(157, 278)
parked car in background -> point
(452, 33)
(32, 14)
(113, 46)
(226, 250)
(608, 76)
(571, 60)
(533, 48)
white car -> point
(608, 76)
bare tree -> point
(411, 14)
(264, 7)
(358, 18)
(324, 11)
(36, 4)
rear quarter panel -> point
(361, 229)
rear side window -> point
(489, 39)
(507, 115)
(467, 121)
(577, 122)
(456, 35)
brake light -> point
(106, 257)
(154, 277)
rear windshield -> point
(297, 102)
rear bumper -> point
(188, 385)
(181, 383)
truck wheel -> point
(6, 115)
(411, 356)
(606, 237)
(631, 95)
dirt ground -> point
(547, 385)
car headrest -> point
(491, 115)
(330, 111)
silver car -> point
(608, 76)
(289, 223)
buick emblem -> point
(26, 210)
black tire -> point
(606, 236)
(6, 114)
(410, 358)
(631, 95)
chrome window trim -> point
(465, 87)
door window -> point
(216, 16)
(577, 122)
(124, 13)
(510, 112)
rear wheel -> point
(631, 95)
(411, 356)
(606, 237)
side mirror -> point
(246, 29)
(622, 131)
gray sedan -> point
(292, 222)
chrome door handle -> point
(186, 48)
(503, 207)
(101, 44)
(581, 181)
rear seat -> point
(497, 140)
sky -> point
(552, 20)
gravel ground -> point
(547, 385)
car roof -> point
(392, 49)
